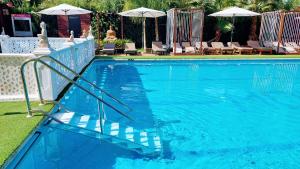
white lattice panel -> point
(271, 25)
(269, 28)
(11, 82)
(28, 44)
(291, 29)
(75, 57)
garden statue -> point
(110, 34)
(43, 43)
(43, 39)
(84, 34)
(90, 32)
(3, 31)
(71, 39)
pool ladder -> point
(145, 142)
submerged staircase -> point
(146, 142)
(95, 125)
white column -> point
(45, 74)
(3, 43)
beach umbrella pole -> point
(144, 30)
(156, 29)
(232, 30)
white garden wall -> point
(76, 56)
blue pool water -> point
(212, 115)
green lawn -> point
(14, 126)
(202, 57)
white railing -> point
(76, 56)
(28, 44)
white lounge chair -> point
(158, 48)
(222, 48)
(188, 48)
(178, 48)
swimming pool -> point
(212, 114)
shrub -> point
(120, 43)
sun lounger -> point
(130, 49)
(294, 45)
(198, 45)
(178, 48)
(284, 49)
(257, 48)
(222, 48)
(158, 48)
(275, 47)
(188, 48)
(239, 49)
(205, 48)
(109, 48)
(291, 50)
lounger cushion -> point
(109, 46)
(243, 48)
(133, 50)
(290, 50)
(108, 51)
(178, 50)
(157, 47)
(227, 48)
(190, 49)
(159, 50)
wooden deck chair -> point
(130, 49)
(222, 48)
(239, 49)
(109, 48)
(158, 48)
(257, 48)
(205, 48)
(188, 48)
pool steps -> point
(146, 142)
(143, 142)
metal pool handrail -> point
(84, 79)
(35, 60)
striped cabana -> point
(184, 25)
(279, 28)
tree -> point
(93, 5)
